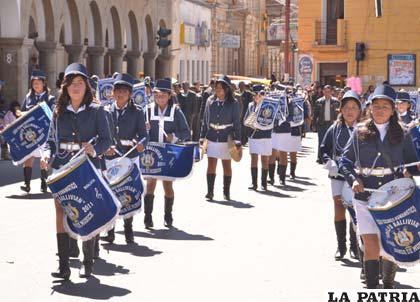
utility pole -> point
(286, 38)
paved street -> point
(273, 246)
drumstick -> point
(82, 149)
(134, 147)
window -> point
(193, 71)
(202, 72)
(207, 72)
(188, 71)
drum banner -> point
(128, 190)
(139, 96)
(104, 91)
(415, 134)
(399, 226)
(267, 113)
(297, 107)
(282, 110)
(167, 161)
(87, 200)
(28, 133)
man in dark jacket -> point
(188, 102)
(245, 97)
(325, 113)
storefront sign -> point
(305, 68)
(402, 69)
(230, 41)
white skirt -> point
(365, 222)
(336, 187)
(218, 150)
(260, 146)
(286, 142)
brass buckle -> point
(383, 172)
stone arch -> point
(10, 14)
(74, 22)
(134, 37)
(49, 20)
(150, 34)
(116, 28)
(95, 23)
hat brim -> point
(38, 78)
(123, 83)
(161, 90)
(402, 100)
(382, 96)
(223, 81)
(76, 73)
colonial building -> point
(107, 35)
(238, 37)
(329, 31)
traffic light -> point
(360, 51)
(162, 38)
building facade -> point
(191, 41)
(107, 35)
(329, 31)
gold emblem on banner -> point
(125, 199)
(147, 160)
(403, 237)
(71, 212)
(30, 135)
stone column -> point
(163, 66)
(133, 62)
(75, 53)
(14, 57)
(149, 64)
(48, 61)
(116, 60)
(96, 60)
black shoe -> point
(63, 254)
(271, 169)
(389, 270)
(169, 202)
(88, 248)
(293, 170)
(128, 230)
(110, 237)
(340, 230)
(254, 176)
(27, 176)
(73, 248)
(26, 188)
(372, 274)
(210, 186)
(226, 186)
(354, 247)
(44, 176)
(148, 209)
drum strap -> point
(381, 148)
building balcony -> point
(330, 36)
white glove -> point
(333, 168)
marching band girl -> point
(259, 142)
(221, 121)
(336, 139)
(76, 120)
(128, 128)
(39, 92)
(403, 105)
(166, 123)
(379, 144)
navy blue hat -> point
(124, 79)
(350, 95)
(403, 96)
(224, 79)
(384, 92)
(163, 85)
(38, 74)
(76, 68)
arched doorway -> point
(133, 45)
(94, 40)
(149, 56)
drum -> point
(87, 200)
(347, 198)
(125, 180)
(397, 215)
(198, 153)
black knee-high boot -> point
(226, 186)
(389, 270)
(110, 237)
(264, 173)
(254, 176)
(340, 230)
(73, 248)
(353, 242)
(88, 248)
(372, 273)
(271, 169)
(44, 176)
(210, 186)
(362, 262)
(293, 170)
(128, 230)
(169, 203)
(27, 176)
(96, 250)
(63, 255)
(281, 170)
(148, 209)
